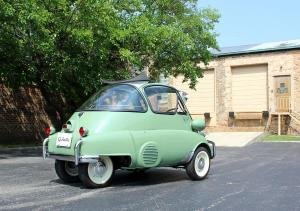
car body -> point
(132, 125)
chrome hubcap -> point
(201, 163)
(101, 171)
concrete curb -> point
(281, 141)
(256, 139)
(21, 151)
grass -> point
(281, 138)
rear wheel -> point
(96, 175)
(67, 171)
(199, 166)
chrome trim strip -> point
(45, 148)
(212, 147)
(77, 151)
(190, 156)
(185, 160)
(88, 159)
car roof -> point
(141, 85)
(139, 82)
(142, 78)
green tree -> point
(68, 46)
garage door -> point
(202, 99)
(249, 88)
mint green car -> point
(132, 125)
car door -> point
(170, 123)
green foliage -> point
(281, 138)
(69, 46)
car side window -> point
(162, 99)
(181, 109)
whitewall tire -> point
(198, 167)
(97, 175)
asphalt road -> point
(261, 176)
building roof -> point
(257, 48)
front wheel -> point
(98, 174)
(199, 166)
(66, 171)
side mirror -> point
(198, 125)
(184, 96)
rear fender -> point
(118, 143)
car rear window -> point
(120, 97)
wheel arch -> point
(121, 161)
(206, 146)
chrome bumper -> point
(77, 158)
(80, 159)
(212, 147)
(45, 147)
(77, 151)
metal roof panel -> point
(255, 48)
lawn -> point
(281, 138)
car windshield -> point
(116, 98)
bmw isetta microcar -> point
(131, 125)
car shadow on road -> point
(73, 184)
(149, 177)
(128, 178)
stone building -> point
(251, 87)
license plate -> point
(64, 139)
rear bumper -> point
(81, 159)
(77, 158)
(212, 147)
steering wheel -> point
(171, 109)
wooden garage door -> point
(249, 88)
(202, 99)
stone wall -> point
(24, 114)
(296, 79)
(295, 121)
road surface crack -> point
(224, 198)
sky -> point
(245, 22)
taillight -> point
(83, 132)
(49, 131)
(65, 126)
